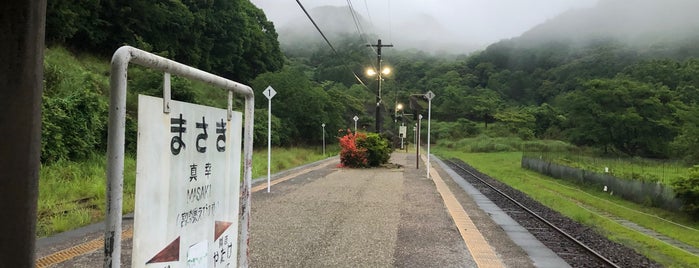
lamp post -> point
(401, 128)
(379, 78)
(378, 72)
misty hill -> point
(641, 23)
(422, 31)
(334, 21)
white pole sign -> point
(429, 96)
(323, 125)
(269, 93)
(355, 123)
(402, 132)
(187, 186)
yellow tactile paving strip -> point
(263, 186)
(482, 253)
(90, 246)
(70, 253)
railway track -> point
(577, 244)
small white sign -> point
(355, 118)
(429, 95)
(187, 186)
(269, 92)
(402, 131)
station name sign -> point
(187, 186)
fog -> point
(430, 25)
(640, 22)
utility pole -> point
(378, 47)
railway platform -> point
(321, 215)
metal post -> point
(429, 119)
(116, 137)
(355, 124)
(419, 121)
(379, 119)
(269, 92)
(21, 76)
(323, 125)
(269, 143)
(429, 95)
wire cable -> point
(360, 31)
(330, 44)
(390, 34)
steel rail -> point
(542, 219)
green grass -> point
(565, 197)
(72, 193)
(285, 158)
(663, 171)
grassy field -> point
(72, 194)
(665, 171)
(567, 198)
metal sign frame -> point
(116, 140)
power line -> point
(390, 34)
(330, 45)
(316, 25)
(360, 29)
(369, 15)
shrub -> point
(74, 124)
(363, 150)
(351, 155)
(377, 148)
(688, 191)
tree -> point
(482, 105)
(231, 38)
(632, 117)
(302, 105)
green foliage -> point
(462, 128)
(688, 191)
(686, 143)
(72, 193)
(303, 105)
(620, 114)
(74, 113)
(363, 149)
(378, 149)
(260, 133)
(231, 38)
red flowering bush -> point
(351, 155)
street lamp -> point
(379, 79)
(399, 107)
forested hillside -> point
(629, 94)
(610, 83)
(230, 38)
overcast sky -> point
(474, 22)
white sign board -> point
(187, 186)
(402, 131)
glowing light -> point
(370, 72)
